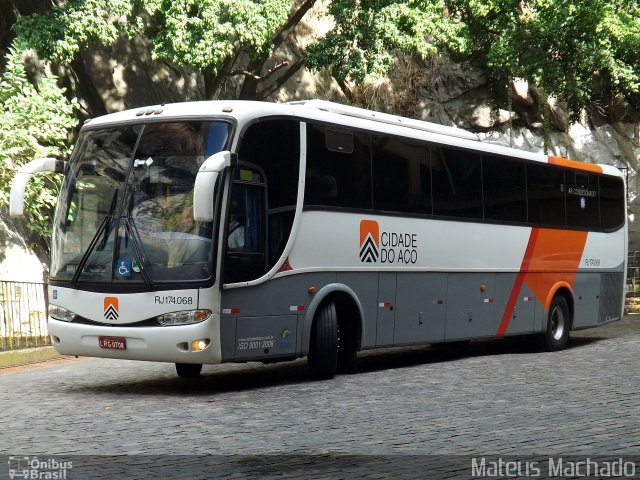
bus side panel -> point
(421, 306)
(265, 337)
(261, 309)
(472, 310)
(386, 314)
(520, 307)
(611, 296)
(228, 325)
(586, 294)
(603, 295)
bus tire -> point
(188, 370)
(323, 348)
(556, 335)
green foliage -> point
(586, 53)
(199, 34)
(368, 35)
(202, 33)
(59, 34)
(35, 121)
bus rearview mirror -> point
(21, 179)
(205, 185)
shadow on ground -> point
(239, 377)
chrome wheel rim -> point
(557, 323)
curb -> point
(23, 356)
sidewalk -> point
(23, 356)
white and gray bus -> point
(233, 231)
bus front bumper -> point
(176, 344)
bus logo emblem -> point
(111, 308)
(369, 241)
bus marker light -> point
(483, 288)
(384, 305)
(296, 308)
(488, 300)
(439, 302)
(199, 345)
(231, 311)
(312, 290)
(527, 299)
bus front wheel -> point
(558, 324)
(323, 348)
(188, 370)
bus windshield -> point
(125, 212)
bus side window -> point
(338, 168)
(504, 189)
(401, 175)
(457, 183)
(583, 203)
(611, 202)
(545, 194)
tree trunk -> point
(86, 88)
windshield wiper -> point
(138, 249)
(94, 241)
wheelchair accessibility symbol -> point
(123, 268)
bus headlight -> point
(60, 313)
(184, 317)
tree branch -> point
(281, 35)
(259, 78)
(212, 83)
(291, 71)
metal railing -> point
(23, 315)
(632, 300)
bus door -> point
(246, 256)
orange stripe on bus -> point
(551, 260)
(565, 162)
(517, 286)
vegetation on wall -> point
(35, 121)
(586, 53)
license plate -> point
(113, 343)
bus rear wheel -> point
(323, 348)
(558, 324)
(188, 370)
